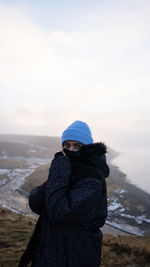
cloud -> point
(99, 66)
(34, 58)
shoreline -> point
(135, 164)
(128, 218)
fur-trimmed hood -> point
(93, 149)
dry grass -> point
(133, 251)
(15, 230)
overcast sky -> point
(64, 60)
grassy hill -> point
(15, 230)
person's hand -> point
(60, 153)
(63, 152)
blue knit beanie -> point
(78, 131)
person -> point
(72, 204)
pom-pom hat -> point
(78, 131)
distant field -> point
(15, 231)
(12, 164)
(28, 146)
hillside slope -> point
(15, 230)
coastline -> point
(129, 206)
(134, 161)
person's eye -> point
(67, 145)
(77, 146)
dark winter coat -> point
(72, 205)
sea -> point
(135, 163)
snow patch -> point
(3, 181)
(126, 228)
(120, 191)
(138, 219)
(4, 171)
(32, 151)
(114, 205)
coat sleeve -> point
(37, 198)
(72, 206)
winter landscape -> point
(62, 61)
(24, 164)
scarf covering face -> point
(89, 161)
